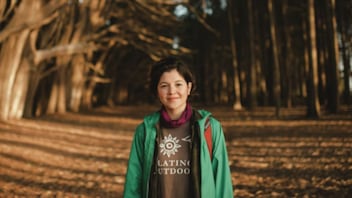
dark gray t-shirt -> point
(173, 163)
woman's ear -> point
(189, 88)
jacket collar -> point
(153, 118)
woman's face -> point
(173, 91)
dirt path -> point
(85, 155)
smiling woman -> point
(169, 155)
(173, 92)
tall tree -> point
(251, 77)
(15, 68)
(343, 18)
(332, 66)
(236, 77)
(276, 68)
(287, 61)
(313, 105)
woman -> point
(169, 154)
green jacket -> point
(215, 175)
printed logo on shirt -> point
(174, 167)
(187, 139)
(172, 164)
(169, 145)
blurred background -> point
(61, 56)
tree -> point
(276, 67)
(313, 108)
(236, 76)
(15, 69)
(343, 17)
(252, 66)
(64, 44)
(333, 77)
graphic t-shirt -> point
(173, 164)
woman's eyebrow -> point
(177, 81)
(163, 83)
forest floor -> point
(85, 154)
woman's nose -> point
(172, 89)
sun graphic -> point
(169, 145)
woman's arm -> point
(133, 183)
(221, 168)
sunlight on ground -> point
(85, 155)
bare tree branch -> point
(61, 50)
(4, 14)
(25, 22)
(202, 21)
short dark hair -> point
(168, 64)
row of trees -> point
(283, 53)
(67, 55)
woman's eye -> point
(179, 85)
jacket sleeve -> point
(220, 163)
(133, 183)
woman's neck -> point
(175, 114)
(172, 118)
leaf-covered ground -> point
(85, 155)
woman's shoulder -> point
(205, 114)
(148, 122)
(150, 119)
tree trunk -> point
(78, 67)
(19, 90)
(343, 20)
(347, 70)
(92, 82)
(288, 62)
(78, 78)
(313, 108)
(57, 100)
(332, 67)
(323, 54)
(252, 89)
(34, 78)
(237, 105)
(276, 68)
(305, 70)
(58, 97)
(10, 67)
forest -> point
(62, 56)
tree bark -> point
(276, 68)
(78, 79)
(347, 69)
(237, 105)
(288, 60)
(10, 67)
(20, 90)
(313, 108)
(58, 97)
(332, 67)
(343, 20)
(252, 89)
